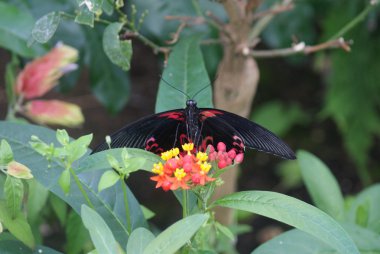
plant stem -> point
(185, 203)
(127, 213)
(80, 186)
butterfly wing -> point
(238, 132)
(155, 133)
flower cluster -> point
(39, 77)
(188, 169)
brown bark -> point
(235, 87)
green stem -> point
(184, 203)
(350, 25)
(80, 186)
(127, 214)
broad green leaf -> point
(45, 27)
(298, 242)
(6, 154)
(18, 226)
(15, 27)
(118, 51)
(139, 239)
(108, 7)
(109, 204)
(186, 72)
(37, 197)
(77, 148)
(177, 235)
(77, 236)
(85, 16)
(108, 179)
(293, 212)
(100, 233)
(92, 5)
(321, 185)
(59, 207)
(64, 181)
(14, 192)
(109, 83)
(367, 200)
(10, 246)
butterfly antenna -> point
(167, 83)
(201, 90)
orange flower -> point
(54, 112)
(42, 74)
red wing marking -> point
(173, 115)
(209, 113)
(238, 144)
(152, 146)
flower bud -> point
(232, 154)
(221, 147)
(41, 75)
(18, 170)
(239, 158)
(54, 112)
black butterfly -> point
(202, 126)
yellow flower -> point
(188, 147)
(202, 156)
(179, 174)
(167, 155)
(175, 152)
(158, 168)
(205, 167)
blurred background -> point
(327, 103)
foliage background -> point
(327, 103)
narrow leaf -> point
(177, 235)
(6, 154)
(14, 191)
(118, 51)
(321, 184)
(64, 181)
(100, 233)
(293, 212)
(77, 236)
(186, 72)
(37, 197)
(46, 26)
(139, 239)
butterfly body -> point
(201, 126)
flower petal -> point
(54, 112)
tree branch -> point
(301, 48)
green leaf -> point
(298, 242)
(92, 5)
(85, 16)
(100, 233)
(109, 203)
(139, 239)
(177, 235)
(108, 7)
(63, 137)
(321, 185)
(77, 148)
(10, 79)
(6, 154)
(59, 207)
(186, 72)
(225, 231)
(15, 27)
(368, 202)
(292, 212)
(77, 236)
(113, 162)
(46, 26)
(109, 83)
(14, 192)
(37, 197)
(64, 181)
(18, 226)
(10, 246)
(362, 215)
(148, 214)
(118, 51)
(108, 179)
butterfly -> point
(201, 126)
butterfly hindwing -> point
(154, 133)
(231, 127)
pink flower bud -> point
(18, 170)
(211, 148)
(221, 147)
(222, 164)
(41, 75)
(232, 154)
(196, 178)
(188, 158)
(239, 158)
(212, 156)
(166, 185)
(228, 161)
(54, 112)
(187, 167)
(172, 163)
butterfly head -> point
(191, 103)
